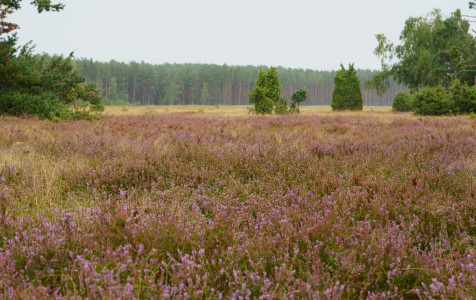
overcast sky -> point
(310, 34)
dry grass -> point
(227, 110)
(218, 110)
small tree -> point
(347, 94)
(266, 94)
(298, 97)
(262, 104)
(402, 102)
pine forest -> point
(195, 84)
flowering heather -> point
(370, 205)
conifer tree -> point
(298, 97)
(262, 104)
(266, 95)
(49, 87)
(272, 85)
(347, 94)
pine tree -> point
(204, 94)
(298, 97)
(49, 87)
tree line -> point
(207, 84)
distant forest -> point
(192, 84)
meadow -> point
(213, 203)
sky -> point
(308, 34)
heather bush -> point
(377, 205)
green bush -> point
(281, 107)
(347, 94)
(262, 104)
(463, 96)
(402, 102)
(434, 101)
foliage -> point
(272, 85)
(433, 50)
(459, 98)
(402, 102)
(281, 107)
(49, 87)
(265, 96)
(204, 94)
(347, 94)
(463, 97)
(172, 93)
(262, 104)
(433, 101)
(298, 97)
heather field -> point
(199, 205)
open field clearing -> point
(211, 203)
(225, 110)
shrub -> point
(463, 97)
(347, 94)
(402, 102)
(433, 101)
(281, 107)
